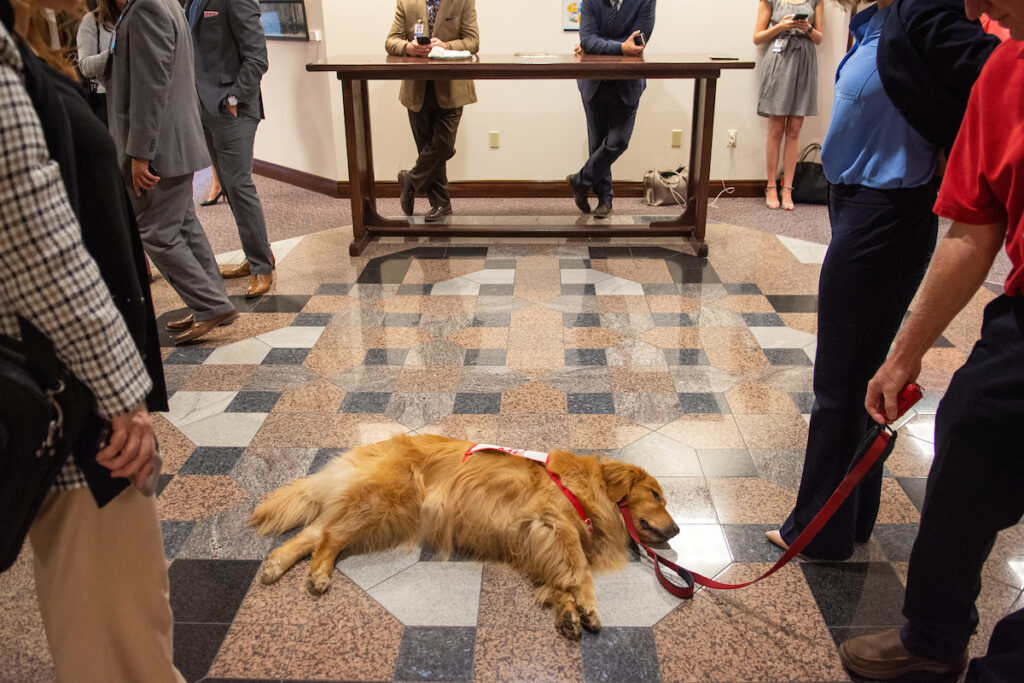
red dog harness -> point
(542, 458)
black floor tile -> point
(856, 593)
(703, 403)
(489, 357)
(365, 402)
(285, 357)
(727, 463)
(581, 320)
(620, 654)
(496, 290)
(660, 289)
(500, 264)
(896, 540)
(914, 488)
(312, 320)
(477, 404)
(162, 482)
(175, 535)
(762, 320)
(209, 591)
(196, 646)
(402, 319)
(748, 544)
(334, 288)
(385, 356)
(211, 460)
(253, 402)
(436, 654)
(672, 320)
(787, 357)
(389, 269)
(593, 357)
(804, 401)
(322, 457)
(591, 404)
(492, 320)
(742, 288)
(794, 303)
(188, 356)
(574, 264)
(686, 357)
(272, 303)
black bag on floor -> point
(44, 409)
(809, 184)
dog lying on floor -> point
(427, 489)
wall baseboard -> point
(476, 189)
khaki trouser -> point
(101, 580)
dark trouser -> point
(975, 488)
(1004, 661)
(434, 130)
(177, 245)
(230, 142)
(609, 127)
(881, 243)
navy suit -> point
(610, 105)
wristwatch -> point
(232, 101)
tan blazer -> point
(456, 25)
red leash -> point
(876, 447)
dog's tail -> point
(285, 508)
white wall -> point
(543, 131)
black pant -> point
(609, 128)
(975, 487)
(1004, 661)
(434, 129)
(881, 243)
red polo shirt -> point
(984, 181)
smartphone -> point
(799, 17)
(639, 39)
(423, 40)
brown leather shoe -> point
(882, 656)
(181, 323)
(199, 329)
(240, 270)
(259, 285)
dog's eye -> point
(656, 496)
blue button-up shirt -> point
(868, 141)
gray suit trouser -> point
(175, 241)
(230, 141)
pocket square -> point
(208, 14)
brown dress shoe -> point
(259, 285)
(240, 270)
(199, 329)
(181, 323)
(882, 656)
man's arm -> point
(246, 29)
(469, 32)
(959, 267)
(151, 58)
(645, 19)
(396, 40)
(590, 24)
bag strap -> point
(810, 149)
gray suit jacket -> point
(152, 107)
(231, 54)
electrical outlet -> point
(677, 138)
(731, 140)
(495, 139)
(314, 36)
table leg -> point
(358, 139)
(701, 132)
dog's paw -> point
(590, 619)
(271, 572)
(318, 585)
(567, 623)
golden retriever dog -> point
(492, 506)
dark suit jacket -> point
(230, 55)
(929, 55)
(601, 34)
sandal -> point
(771, 204)
(788, 206)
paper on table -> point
(440, 53)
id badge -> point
(780, 42)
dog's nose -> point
(672, 530)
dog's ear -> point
(619, 478)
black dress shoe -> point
(407, 197)
(214, 200)
(438, 212)
(603, 209)
(579, 193)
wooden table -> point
(354, 71)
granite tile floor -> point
(699, 370)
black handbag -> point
(44, 411)
(809, 184)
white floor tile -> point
(804, 251)
(632, 597)
(292, 337)
(781, 337)
(228, 430)
(433, 594)
(369, 569)
(663, 457)
(245, 352)
(187, 407)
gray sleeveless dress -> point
(789, 79)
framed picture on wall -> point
(571, 15)
(284, 19)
